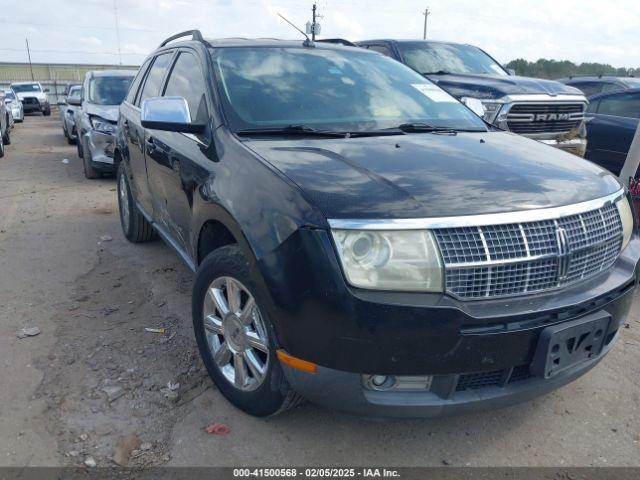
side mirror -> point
(511, 71)
(75, 101)
(474, 105)
(168, 113)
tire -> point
(1, 147)
(79, 146)
(7, 138)
(89, 172)
(47, 111)
(70, 140)
(261, 396)
(135, 227)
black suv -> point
(361, 238)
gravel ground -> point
(94, 385)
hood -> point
(108, 112)
(496, 86)
(434, 175)
(38, 95)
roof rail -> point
(340, 41)
(195, 35)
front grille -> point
(30, 101)
(532, 118)
(493, 261)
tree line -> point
(544, 68)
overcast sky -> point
(83, 31)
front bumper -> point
(33, 104)
(100, 146)
(577, 146)
(349, 333)
(17, 114)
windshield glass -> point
(108, 90)
(342, 90)
(443, 57)
(26, 87)
(8, 94)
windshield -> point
(74, 92)
(342, 90)
(8, 94)
(108, 90)
(443, 57)
(632, 82)
(26, 87)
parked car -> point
(612, 122)
(14, 105)
(593, 85)
(363, 240)
(544, 110)
(33, 97)
(68, 112)
(102, 93)
(5, 125)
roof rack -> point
(195, 35)
(340, 41)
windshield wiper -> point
(292, 130)
(428, 128)
(438, 72)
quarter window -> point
(154, 78)
(186, 80)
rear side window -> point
(136, 82)
(154, 78)
(383, 49)
(622, 105)
(588, 88)
(186, 80)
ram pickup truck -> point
(544, 110)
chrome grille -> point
(530, 118)
(513, 259)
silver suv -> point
(34, 98)
(102, 93)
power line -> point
(66, 26)
(72, 51)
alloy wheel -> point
(235, 333)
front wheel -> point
(7, 139)
(235, 340)
(89, 172)
(1, 147)
(47, 111)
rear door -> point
(176, 160)
(611, 128)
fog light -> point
(378, 380)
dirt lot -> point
(94, 375)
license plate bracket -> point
(562, 346)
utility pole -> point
(115, 12)
(314, 24)
(426, 16)
(29, 55)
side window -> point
(383, 49)
(621, 105)
(133, 90)
(588, 88)
(154, 78)
(611, 87)
(186, 80)
(593, 106)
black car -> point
(612, 122)
(593, 85)
(361, 238)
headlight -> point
(102, 126)
(626, 216)
(491, 110)
(390, 260)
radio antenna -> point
(307, 42)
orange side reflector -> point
(296, 363)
